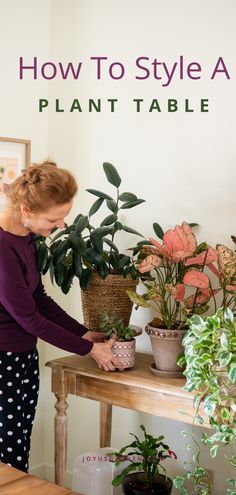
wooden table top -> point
(15, 482)
(139, 376)
(137, 388)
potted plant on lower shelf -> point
(124, 346)
(210, 359)
(142, 475)
(177, 279)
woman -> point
(38, 200)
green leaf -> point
(60, 252)
(127, 197)
(111, 204)
(111, 244)
(232, 373)
(112, 174)
(47, 266)
(114, 260)
(109, 220)
(228, 315)
(131, 204)
(224, 358)
(139, 245)
(133, 272)
(61, 233)
(98, 244)
(232, 482)
(85, 278)
(77, 243)
(118, 226)
(117, 480)
(51, 273)
(59, 273)
(81, 224)
(103, 270)
(77, 264)
(224, 341)
(93, 256)
(209, 406)
(124, 260)
(100, 232)
(77, 218)
(95, 207)
(67, 283)
(131, 231)
(158, 230)
(99, 194)
(192, 224)
(42, 256)
(200, 419)
(213, 450)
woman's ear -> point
(24, 210)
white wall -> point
(182, 164)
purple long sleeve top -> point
(26, 311)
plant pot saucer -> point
(170, 374)
(137, 329)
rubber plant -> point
(81, 249)
(210, 360)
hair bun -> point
(31, 175)
(50, 162)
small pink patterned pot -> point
(125, 352)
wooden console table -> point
(136, 389)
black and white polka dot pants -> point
(19, 386)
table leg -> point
(105, 424)
(61, 421)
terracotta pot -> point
(125, 352)
(108, 294)
(134, 484)
(166, 347)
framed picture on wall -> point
(14, 157)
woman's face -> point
(43, 223)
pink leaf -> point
(159, 247)
(226, 263)
(231, 288)
(196, 279)
(148, 263)
(180, 243)
(202, 258)
(177, 291)
(204, 296)
(214, 269)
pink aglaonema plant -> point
(178, 275)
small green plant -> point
(81, 249)
(145, 455)
(112, 325)
(210, 359)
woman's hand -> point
(94, 336)
(101, 353)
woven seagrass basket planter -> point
(108, 294)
